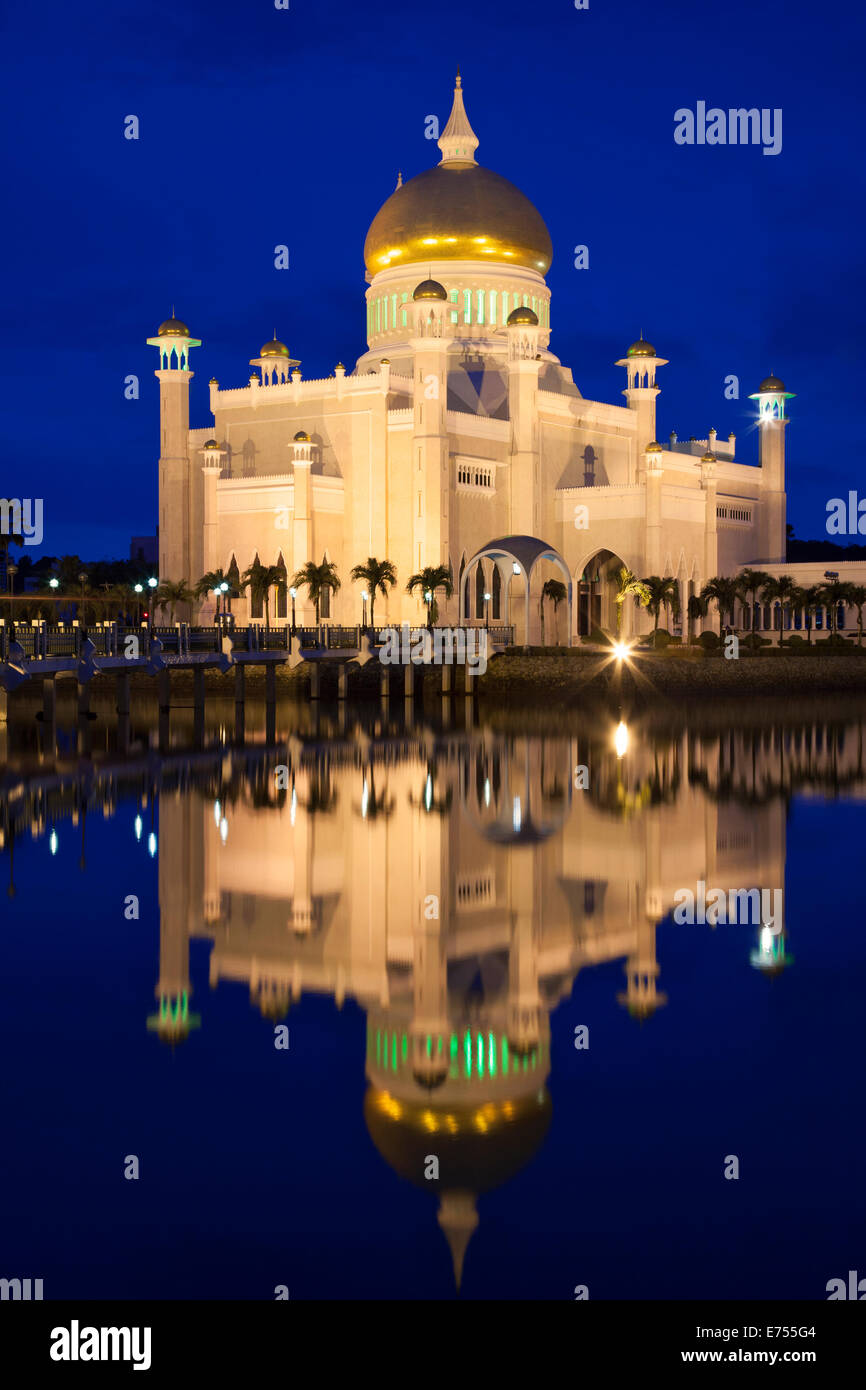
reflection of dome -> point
(479, 1147)
(430, 1074)
(429, 289)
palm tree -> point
(857, 599)
(812, 598)
(832, 594)
(170, 593)
(629, 584)
(663, 593)
(781, 591)
(214, 579)
(317, 579)
(260, 579)
(724, 592)
(555, 590)
(695, 609)
(378, 575)
(749, 581)
(428, 580)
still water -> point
(386, 1007)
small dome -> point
(211, 444)
(708, 458)
(339, 367)
(641, 349)
(213, 381)
(274, 349)
(653, 448)
(429, 289)
(302, 437)
(173, 328)
(523, 315)
(770, 383)
(386, 362)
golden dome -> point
(210, 444)
(172, 328)
(274, 349)
(302, 437)
(457, 212)
(653, 448)
(641, 349)
(523, 314)
(770, 383)
(429, 289)
(708, 458)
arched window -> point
(479, 590)
(464, 608)
(257, 607)
(589, 466)
(496, 592)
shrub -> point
(754, 641)
(835, 640)
(709, 641)
(601, 637)
(795, 640)
(662, 639)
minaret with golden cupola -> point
(641, 363)
(771, 397)
(431, 482)
(180, 486)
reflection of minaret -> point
(524, 1004)
(458, 1218)
(642, 996)
(431, 880)
(180, 878)
(302, 914)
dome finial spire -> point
(458, 141)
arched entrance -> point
(519, 561)
(597, 584)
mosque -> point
(458, 438)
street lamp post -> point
(11, 571)
(151, 584)
(138, 590)
(364, 597)
(486, 610)
(428, 599)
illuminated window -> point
(393, 311)
(526, 301)
(403, 316)
(516, 299)
(378, 315)
(453, 296)
(480, 318)
(493, 306)
(467, 306)
(454, 316)
(534, 304)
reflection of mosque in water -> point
(454, 890)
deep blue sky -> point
(261, 126)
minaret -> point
(524, 512)
(431, 482)
(180, 490)
(640, 363)
(211, 469)
(653, 472)
(771, 397)
(180, 877)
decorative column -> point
(654, 473)
(211, 470)
(712, 621)
(771, 397)
(431, 481)
(524, 489)
(641, 391)
(302, 525)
